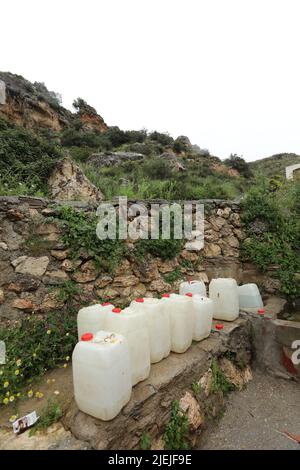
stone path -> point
(254, 415)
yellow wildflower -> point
(13, 418)
(49, 381)
(6, 384)
(65, 365)
(18, 394)
(11, 398)
(5, 401)
(67, 334)
(34, 354)
(48, 332)
(56, 392)
(1, 372)
(17, 372)
(30, 393)
(19, 362)
(7, 394)
(67, 358)
(39, 395)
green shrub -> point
(220, 384)
(272, 223)
(162, 138)
(156, 168)
(177, 430)
(25, 158)
(238, 163)
(79, 233)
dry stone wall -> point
(34, 262)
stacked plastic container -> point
(102, 374)
(132, 325)
(158, 326)
(193, 287)
(224, 294)
(93, 318)
(116, 347)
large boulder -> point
(68, 182)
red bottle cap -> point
(189, 294)
(166, 296)
(87, 337)
(140, 300)
(261, 311)
(117, 310)
(219, 326)
(105, 304)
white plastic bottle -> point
(249, 296)
(224, 294)
(181, 313)
(158, 325)
(195, 287)
(93, 318)
(101, 374)
(203, 316)
(132, 325)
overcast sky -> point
(226, 73)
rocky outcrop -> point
(33, 106)
(102, 159)
(68, 182)
(90, 120)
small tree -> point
(238, 163)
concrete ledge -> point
(150, 404)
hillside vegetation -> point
(36, 131)
(274, 166)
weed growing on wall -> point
(80, 236)
(177, 430)
(220, 384)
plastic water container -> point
(93, 318)
(132, 324)
(101, 374)
(158, 324)
(224, 293)
(249, 296)
(195, 287)
(181, 313)
(203, 316)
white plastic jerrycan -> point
(195, 287)
(101, 374)
(224, 294)
(158, 325)
(249, 296)
(93, 318)
(203, 316)
(132, 324)
(181, 313)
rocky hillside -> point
(275, 165)
(33, 106)
(37, 133)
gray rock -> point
(113, 158)
(29, 265)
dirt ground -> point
(255, 417)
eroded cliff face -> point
(33, 106)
